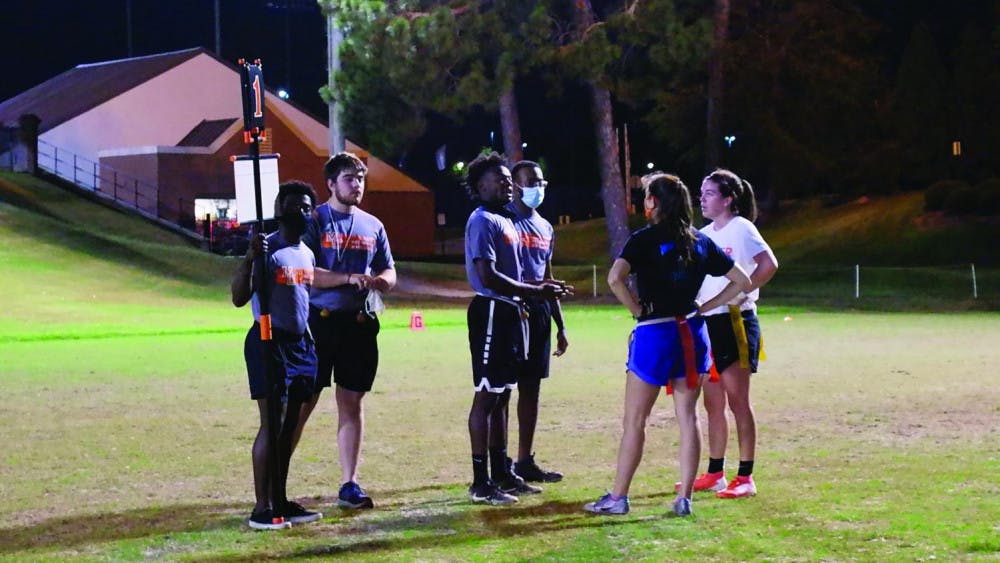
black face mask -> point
(294, 222)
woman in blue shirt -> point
(670, 260)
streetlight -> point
(283, 94)
(650, 165)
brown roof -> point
(206, 132)
(90, 85)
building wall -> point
(408, 218)
(131, 179)
(158, 112)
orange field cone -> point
(416, 321)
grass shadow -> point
(441, 530)
(71, 531)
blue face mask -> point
(532, 197)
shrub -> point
(938, 193)
(988, 197)
(961, 200)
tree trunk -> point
(716, 87)
(510, 125)
(612, 188)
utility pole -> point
(128, 26)
(218, 29)
(334, 37)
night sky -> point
(46, 37)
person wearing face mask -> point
(286, 368)
(537, 245)
(497, 327)
(343, 319)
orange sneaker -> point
(739, 487)
(707, 482)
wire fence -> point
(860, 286)
(121, 187)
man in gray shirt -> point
(497, 331)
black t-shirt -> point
(667, 285)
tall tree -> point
(433, 56)
(588, 51)
(923, 120)
(802, 97)
(973, 101)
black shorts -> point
(539, 340)
(292, 362)
(725, 348)
(347, 348)
(496, 342)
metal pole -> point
(218, 29)
(128, 26)
(975, 290)
(74, 168)
(136, 194)
(857, 281)
(594, 279)
(95, 176)
(55, 161)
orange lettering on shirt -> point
(287, 275)
(535, 241)
(341, 241)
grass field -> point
(127, 425)
(878, 440)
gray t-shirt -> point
(349, 243)
(491, 236)
(537, 239)
(289, 277)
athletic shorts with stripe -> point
(725, 348)
(539, 340)
(292, 361)
(656, 352)
(496, 343)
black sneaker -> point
(353, 496)
(295, 513)
(265, 520)
(513, 484)
(530, 471)
(488, 493)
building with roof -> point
(160, 130)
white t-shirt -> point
(741, 241)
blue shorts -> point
(292, 361)
(656, 353)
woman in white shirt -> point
(734, 330)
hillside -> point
(69, 264)
(890, 231)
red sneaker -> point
(707, 482)
(739, 487)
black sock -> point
(746, 468)
(479, 474)
(498, 463)
(716, 465)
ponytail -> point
(746, 203)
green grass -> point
(127, 424)
(877, 439)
